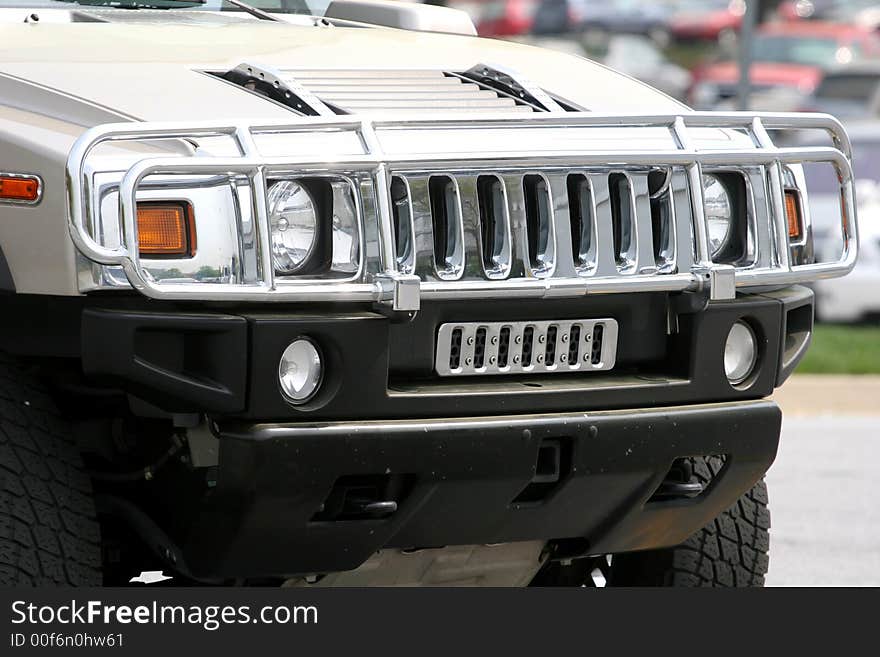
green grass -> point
(838, 349)
(690, 55)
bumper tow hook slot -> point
(675, 490)
(377, 509)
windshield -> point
(310, 7)
(802, 50)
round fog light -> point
(740, 353)
(300, 370)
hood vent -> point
(404, 91)
(321, 92)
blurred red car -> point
(795, 10)
(499, 18)
(711, 20)
(787, 55)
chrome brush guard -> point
(552, 146)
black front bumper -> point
(465, 476)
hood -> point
(151, 65)
(765, 74)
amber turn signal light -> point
(166, 229)
(19, 189)
(793, 214)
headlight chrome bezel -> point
(736, 246)
(283, 223)
(334, 250)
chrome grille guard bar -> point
(403, 291)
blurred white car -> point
(858, 296)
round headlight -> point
(293, 222)
(300, 370)
(740, 353)
(719, 213)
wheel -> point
(732, 550)
(49, 532)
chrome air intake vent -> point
(554, 347)
(417, 91)
(479, 90)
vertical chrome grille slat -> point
(540, 224)
(401, 207)
(470, 218)
(684, 231)
(623, 220)
(606, 261)
(646, 262)
(582, 222)
(516, 212)
(423, 230)
(494, 226)
(563, 258)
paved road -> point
(825, 502)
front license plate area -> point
(559, 347)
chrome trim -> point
(512, 84)
(524, 354)
(23, 176)
(317, 429)
(381, 281)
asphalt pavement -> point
(825, 488)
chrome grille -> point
(550, 224)
(559, 347)
(402, 91)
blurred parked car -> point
(639, 57)
(844, 11)
(859, 296)
(848, 92)
(608, 17)
(712, 20)
(553, 17)
(796, 10)
(787, 55)
(499, 18)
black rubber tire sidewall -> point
(731, 551)
(49, 533)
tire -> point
(49, 533)
(731, 551)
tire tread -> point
(49, 533)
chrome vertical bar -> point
(646, 262)
(695, 178)
(564, 258)
(471, 230)
(777, 194)
(606, 259)
(382, 176)
(516, 211)
(259, 202)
